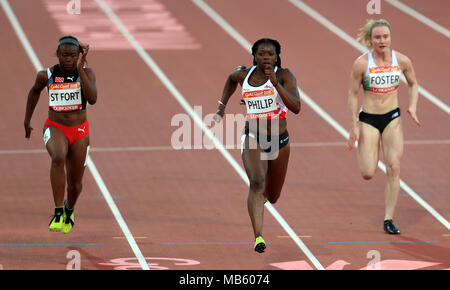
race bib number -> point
(65, 96)
(384, 79)
(260, 102)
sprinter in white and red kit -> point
(268, 92)
(378, 123)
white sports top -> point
(262, 102)
(381, 79)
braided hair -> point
(275, 43)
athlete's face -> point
(68, 57)
(265, 54)
(381, 38)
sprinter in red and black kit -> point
(71, 87)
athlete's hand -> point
(354, 136)
(82, 59)
(270, 74)
(28, 130)
(412, 113)
(219, 114)
(217, 117)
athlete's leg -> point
(276, 174)
(75, 161)
(57, 147)
(367, 150)
(392, 142)
(256, 169)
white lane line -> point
(179, 97)
(38, 66)
(420, 17)
(20, 34)
(233, 33)
(350, 40)
(235, 147)
(240, 39)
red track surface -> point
(194, 197)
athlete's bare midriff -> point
(68, 118)
(379, 103)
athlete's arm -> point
(236, 77)
(288, 91)
(88, 79)
(33, 98)
(355, 82)
(413, 86)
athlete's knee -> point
(393, 169)
(368, 174)
(257, 184)
(273, 198)
(58, 160)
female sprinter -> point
(379, 71)
(70, 87)
(268, 91)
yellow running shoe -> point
(260, 245)
(56, 223)
(69, 219)
(67, 224)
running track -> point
(186, 209)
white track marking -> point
(419, 16)
(236, 147)
(38, 66)
(197, 119)
(322, 113)
(339, 32)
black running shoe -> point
(390, 228)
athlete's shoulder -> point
(42, 72)
(285, 72)
(41, 80)
(239, 73)
(361, 62)
(282, 70)
(362, 59)
(402, 59)
(42, 75)
(241, 67)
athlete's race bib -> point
(260, 103)
(65, 96)
(384, 79)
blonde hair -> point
(365, 32)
